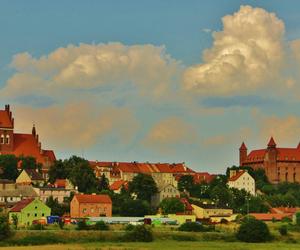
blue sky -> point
(154, 98)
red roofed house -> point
(22, 144)
(90, 205)
(280, 164)
(241, 179)
(117, 186)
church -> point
(22, 144)
(280, 164)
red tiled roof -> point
(117, 185)
(21, 204)
(271, 143)
(187, 205)
(269, 217)
(237, 175)
(34, 175)
(5, 120)
(203, 177)
(93, 198)
(284, 210)
(60, 183)
(50, 154)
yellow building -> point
(213, 213)
(30, 176)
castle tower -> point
(6, 130)
(271, 161)
(243, 153)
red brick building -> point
(280, 164)
(90, 205)
(22, 144)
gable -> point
(36, 205)
(23, 177)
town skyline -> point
(114, 89)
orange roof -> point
(203, 177)
(60, 183)
(237, 175)
(93, 198)
(5, 119)
(269, 217)
(117, 185)
(21, 204)
(284, 210)
(50, 154)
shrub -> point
(252, 230)
(101, 225)
(298, 219)
(81, 225)
(129, 227)
(61, 224)
(4, 227)
(283, 230)
(37, 226)
(192, 227)
(141, 233)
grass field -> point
(161, 245)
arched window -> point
(2, 139)
(7, 139)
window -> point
(35, 215)
(28, 214)
(43, 214)
(2, 139)
(84, 210)
(35, 207)
(7, 139)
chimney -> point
(232, 173)
(7, 108)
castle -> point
(22, 144)
(280, 164)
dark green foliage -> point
(29, 162)
(61, 223)
(4, 227)
(140, 233)
(101, 225)
(298, 218)
(57, 171)
(252, 230)
(9, 166)
(143, 186)
(171, 206)
(135, 208)
(283, 230)
(15, 220)
(37, 226)
(103, 183)
(192, 227)
(221, 196)
(56, 208)
(129, 227)
(186, 183)
(81, 225)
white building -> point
(241, 179)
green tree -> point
(143, 186)
(103, 183)
(56, 208)
(29, 162)
(185, 182)
(221, 196)
(171, 206)
(15, 220)
(9, 166)
(252, 230)
(81, 174)
(135, 208)
(4, 227)
(57, 171)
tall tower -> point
(270, 161)
(243, 153)
(6, 130)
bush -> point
(298, 219)
(129, 227)
(286, 220)
(141, 233)
(4, 227)
(61, 224)
(252, 230)
(192, 227)
(283, 230)
(101, 225)
(37, 226)
(81, 225)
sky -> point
(158, 81)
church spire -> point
(33, 130)
(271, 143)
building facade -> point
(241, 179)
(280, 164)
(22, 144)
(167, 191)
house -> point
(271, 216)
(118, 185)
(90, 205)
(61, 194)
(280, 164)
(284, 210)
(168, 191)
(241, 179)
(208, 211)
(11, 193)
(22, 144)
(63, 183)
(29, 210)
(30, 177)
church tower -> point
(271, 161)
(243, 153)
(6, 130)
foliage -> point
(101, 225)
(37, 226)
(9, 166)
(186, 183)
(140, 233)
(15, 220)
(129, 227)
(4, 227)
(56, 208)
(57, 171)
(103, 183)
(29, 162)
(135, 208)
(81, 225)
(192, 227)
(252, 230)
(171, 206)
(61, 223)
(143, 186)
(298, 218)
(283, 230)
